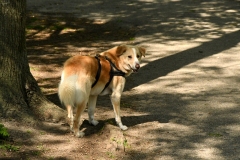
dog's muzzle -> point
(137, 66)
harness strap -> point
(98, 71)
(113, 72)
(110, 79)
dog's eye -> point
(138, 56)
(129, 57)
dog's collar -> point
(114, 70)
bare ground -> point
(184, 102)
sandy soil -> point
(183, 103)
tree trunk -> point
(20, 96)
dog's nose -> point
(137, 66)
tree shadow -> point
(162, 67)
(157, 22)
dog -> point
(85, 77)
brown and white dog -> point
(85, 77)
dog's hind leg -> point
(76, 123)
(70, 116)
(91, 108)
(82, 96)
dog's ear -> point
(142, 51)
(121, 50)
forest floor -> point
(183, 104)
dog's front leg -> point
(91, 108)
(118, 86)
(115, 98)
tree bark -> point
(20, 96)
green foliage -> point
(3, 132)
(9, 147)
(4, 137)
(215, 134)
(125, 143)
(132, 39)
(110, 155)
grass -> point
(124, 143)
(215, 135)
(29, 132)
(9, 147)
(110, 155)
(132, 39)
(4, 137)
(42, 132)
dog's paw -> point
(93, 122)
(123, 127)
(71, 128)
(80, 134)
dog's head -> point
(126, 57)
(130, 57)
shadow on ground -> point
(162, 67)
(199, 125)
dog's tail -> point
(67, 90)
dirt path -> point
(183, 103)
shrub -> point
(3, 132)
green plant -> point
(36, 152)
(3, 132)
(42, 132)
(132, 39)
(9, 147)
(41, 147)
(125, 145)
(4, 137)
(29, 132)
(215, 134)
(110, 155)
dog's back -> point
(76, 80)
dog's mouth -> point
(135, 70)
